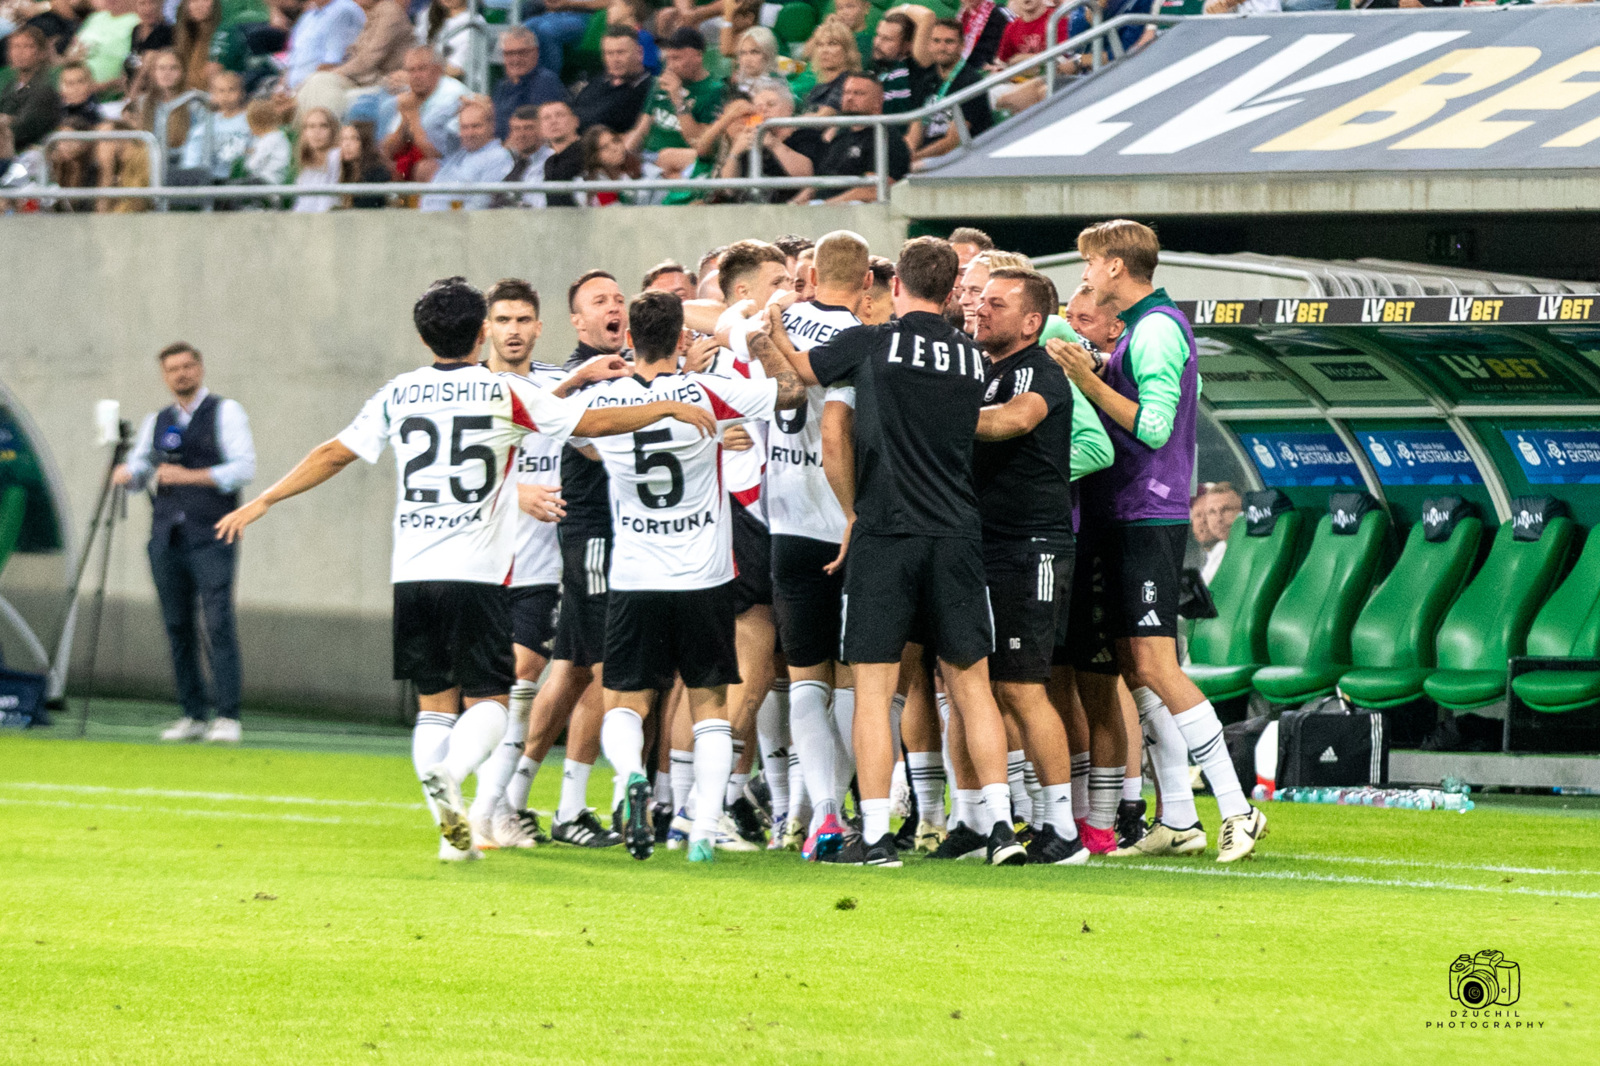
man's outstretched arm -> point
(610, 421)
(323, 461)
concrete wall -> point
(301, 318)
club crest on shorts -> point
(1149, 592)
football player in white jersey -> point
(514, 329)
(453, 426)
(754, 272)
(672, 606)
(808, 525)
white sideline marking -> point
(1493, 869)
(187, 812)
(1345, 879)
(221, 797)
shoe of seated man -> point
(185, 729)
(224, 731)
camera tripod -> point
(113, 504)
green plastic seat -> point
(794, 24)
(1490, 622)
(583, 58)
(1568, 626)
(1391, 643)
(1308, 636)
(1226, 651)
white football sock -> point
(682, 777)
(1132, 787)
(969, 810)
(772, 733)
(1105, 789)
(477, 731)
(926, 770)
(661, 790)
(844, 763)
(736, 783)
(430, 739)
(622, 741)
(811, 729)
(1030, 781)
(496, 771)
(1021, 805)
(1202, 731)
(874, 820)
(574, 789)
(1055, 809)
(521, 783)
(1080, 783)
(942, 702)
(1169, 757)
(799, 798)
(713, 762)
(997, 802)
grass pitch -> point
(188, 904)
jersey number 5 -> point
(479, 453)
(644, 463)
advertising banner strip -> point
(1500, 90)
(1382, 310)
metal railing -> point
(476, 73)
(152, 147)
(880, 123)
(202, 193)
(1052, 35)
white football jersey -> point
(744, 473)
(538, 463)
(669, 507)
(454, 429)
(800, 502)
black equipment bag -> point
(1326, 743)
(1241, 738)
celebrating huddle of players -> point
(874, 524)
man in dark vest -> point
(194, 456)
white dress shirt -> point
(238, 448)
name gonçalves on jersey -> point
(454, 429)
(538, 462)
(669, 506)
(800, 502)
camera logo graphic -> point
(1486, 979)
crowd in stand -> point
(330, 92)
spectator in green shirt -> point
(682, 103)
(104, 41)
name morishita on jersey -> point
(800, 502)
(669, 506)
(454, 429)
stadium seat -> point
(1308, 636)
(1489, 623)
(1568, 627)
(13, 509)
(1392, 643)
(794, 25)
(1226, 651)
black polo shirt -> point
(1024, 484)
(565, 165)
(919, 384)
(851, 153)
(617, 106)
